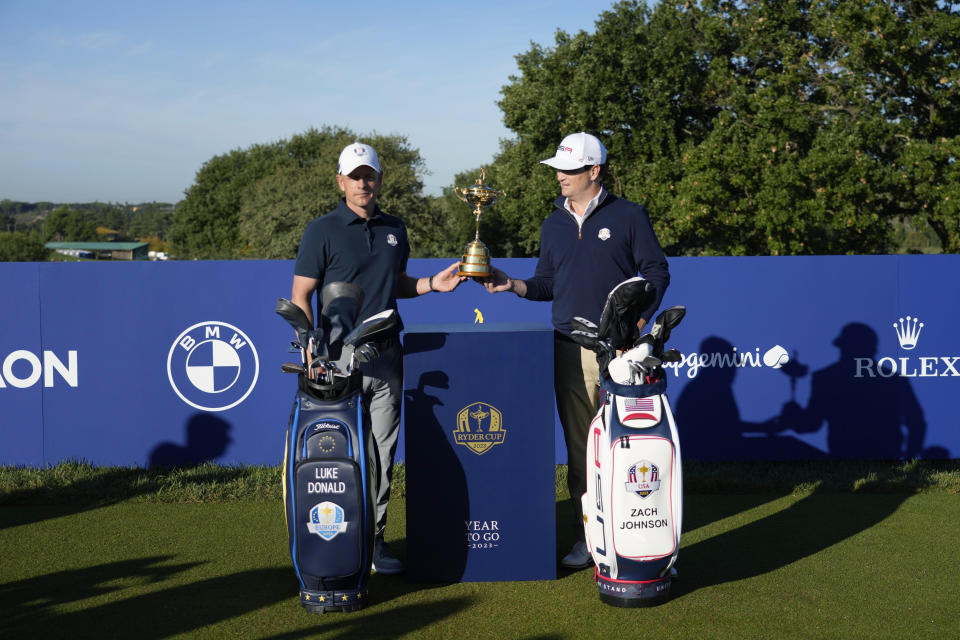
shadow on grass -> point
(78, 487)
(810, 525)
(370, 623)
(27, 609)
(29, 600)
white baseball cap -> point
(577, 150)
(357, 155)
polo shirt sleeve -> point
(312, 254)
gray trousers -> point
(382, 399)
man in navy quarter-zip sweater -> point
(592, 242)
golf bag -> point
(633, 505)
(329, 465)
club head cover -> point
(378, 327)
(671, 355)
(366, 352)
(341, 302)
(665, 322)
(295, 317)
(626, 302)
(584, 332)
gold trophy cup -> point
(476, 257)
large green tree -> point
(16, 246)
(759, 127)
(69, 225)
(255, 202)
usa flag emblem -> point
(637, 412)
(638, 404)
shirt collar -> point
(347, 215)
(591, 206)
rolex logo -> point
(908, 332)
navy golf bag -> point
(632, 509)
(329, 465)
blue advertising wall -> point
(177, 362)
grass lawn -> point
(806, 563)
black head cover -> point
(625, 304)
(584, 333)
(341, 302)
(665, 322)
(296, 317)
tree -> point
(255, 203)
(108, 216)
(150, 220)
(16, 246)
(68, 225)
(755, 127)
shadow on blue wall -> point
(208, 437)
(866, 417)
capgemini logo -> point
(776, 357)
(908, 333)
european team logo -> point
(213, 366)
(326, 520)
(479, 427)
(643, 478)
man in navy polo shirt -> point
(592, 242)
(359, 243)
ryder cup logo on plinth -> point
(643, 478)
(326, 520)
(213, 366)
(479, 427)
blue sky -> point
(124, 101)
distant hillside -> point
(146, 221)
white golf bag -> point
(633, 506)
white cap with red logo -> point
(357, 155)
(577, 150)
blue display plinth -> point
(479, 431)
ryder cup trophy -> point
(476, 257)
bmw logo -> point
(213, 366)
